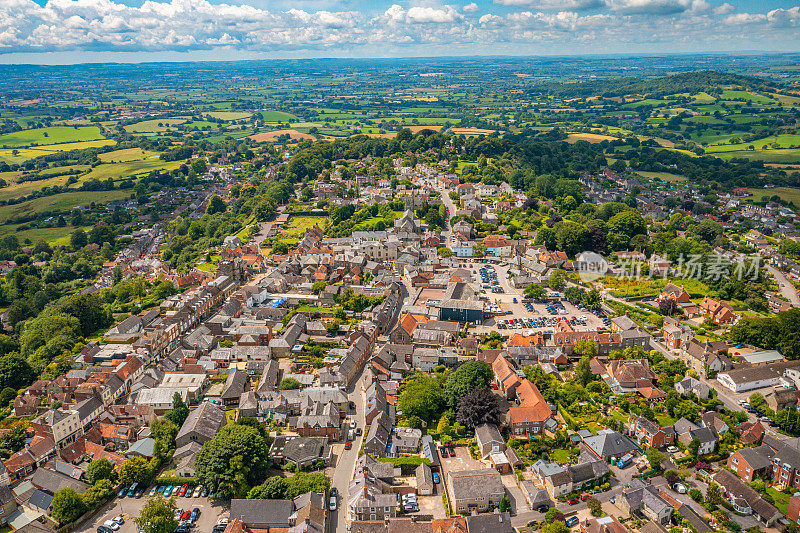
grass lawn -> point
(666, 420)
(297, 226)
(54, 236)
(616, 414)
(229, 115)
(51, 135)
(781, 499)
(665, 176)
(560, 456)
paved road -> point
(787, 288)
(452, 208)
(346, 462)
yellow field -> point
(471, 131)
(591, 137)
(20, 155)
(230, 115)
(15, 190)
(272, 135)
(126, 154)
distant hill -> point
(688, 82)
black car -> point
(543, 508)
(352, 405)
(104, 529)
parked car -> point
(222, 522)
(153, 491)
(543, 508)
(110, 524)
(205, 492)
(168, 491)
(348, 445)
(585, 496)
(183, 490)
(187, 514)
(178, 514)
(332, 503)
(436, 477)
(197, 492)
(195, 514)
(573, 500)
(672, 449)
(104, 529)
(680, 488)
(122, 492)
(353, 423)
(572, 520)
(118, 519)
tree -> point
(557, 280)
(289, 384)
(273, 488)
(555, 527)
(157, 516)
(481, 406)
(535, 291)
(444, 252)
(655, 457)
(97, 493)
(667, 306)
(467, 377)
(443, 427)
(422, 396)
(553, 515)
(505, 504)
(99, 469)
(216, 205)
(179, 410)
(78, 239)
(234, 460)
(304, 482)
(15, 372)
(319, 286)
(164, 430)
(594, 506)
(713, 494)
(694, 446)
(134, 469)
(67, 506)
(583, 370)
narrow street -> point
(346, 461)
(787, 289)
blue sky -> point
(71, 31)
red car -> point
(186, 515)
(183, 490)
(573, 501)
(585, 496)
(348, 445)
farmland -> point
(51, 135)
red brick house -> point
(532, 412)
(651, 435)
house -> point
(652, 435)
(488, 523)
(631, 374)
(605, 524)
(559, 480)
(750, 433)
(263, 514)
(367, 501)
(781, 398)
(531, 414)
(318, 418)
(300, 451)
(642, 498)
(751, 463)
(607, 444)
(424, 478)
(235, 385)
(62, 425)
(689, 385)
(489, 440)
(474, 490)
(675, 293)
(201, 425)
(755, 377)
(688, 431)
(717, 311)
(744, 499)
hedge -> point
(175, 480)
(406, 463)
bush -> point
(175, 480)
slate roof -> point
(205, 420)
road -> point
(787, 288)
(346, 462)
(448, 203)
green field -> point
(15, 190)
(728, 94)
(130, 168)
(230, 115)
(665, 176)
(787, 194)
(61, 202)
(789, 155)
(775, 142)
(152, 126)
(54, 236)
(278, 116)
(51, 135)
(125, 155)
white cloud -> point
(651, 7)
(556, 5)
(785, 17)
(472, 7)
(745, 18)
(724, 9)
(432, 14)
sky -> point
(81, 31)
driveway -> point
(786, 287)
(129, 508)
